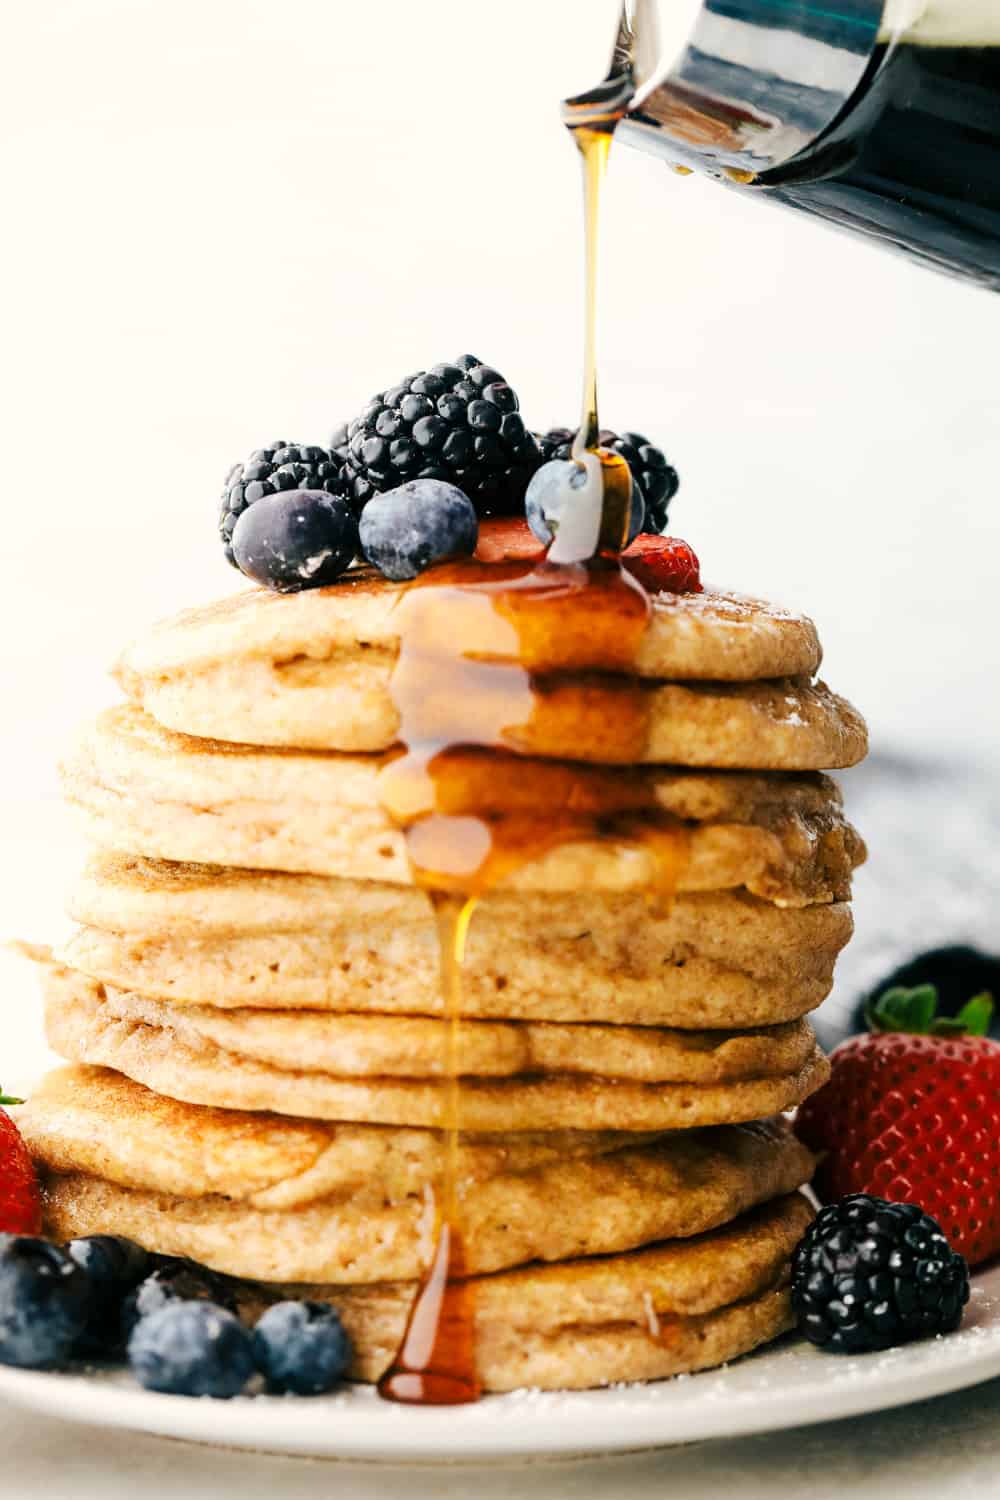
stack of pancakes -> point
(252, 1009)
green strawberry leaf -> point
(915, 1012)
(900, 1009)
(977, 1014)
(9, 1098)
(948, 1026)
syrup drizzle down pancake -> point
(141, 790)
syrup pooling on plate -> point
(474, 811)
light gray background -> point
(229, 220)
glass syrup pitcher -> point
(881, 116)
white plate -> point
(785, 1386)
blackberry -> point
(457, 422)
(656, 480)
(176, 1281)
(340, 444)
(870, 1274)
(281, 466)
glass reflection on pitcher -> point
(882, 116)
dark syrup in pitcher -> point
(914, 158)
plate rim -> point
(740, 1399)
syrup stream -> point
(436, 1363)
(595, 148)
(470, 808)
(592, 121)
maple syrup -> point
(436, 1362)
(469, 695)
(592, 120)
(473, 702)
(660, 1330)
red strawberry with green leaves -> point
(912, 1113)
(20, 1200)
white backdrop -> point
(230, 220)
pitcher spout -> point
(735, 88)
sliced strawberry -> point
(507, 539)
(663, 564)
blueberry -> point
(191, 1349)
(551, 489)
(656, 481)
(175, 1281)
(562, 502)
(296, 539)
(44, 1302)
(301, 1347)
(282, 466)
(113, 1266)
(561, 495)
(422, 522)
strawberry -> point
(660, 563)
(20, 1200)
(507, 540)
(663, 564)
(912, 1113)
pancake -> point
(388, 973)
(267, 669)
(644, 1315)
(83, 1026)
(143, 790)
(412, 1047)
(641, 1314)
(779, 724)
(314, 673)
(235, 938)
(370, 1229)
(91, 1120)
(607, 1319)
